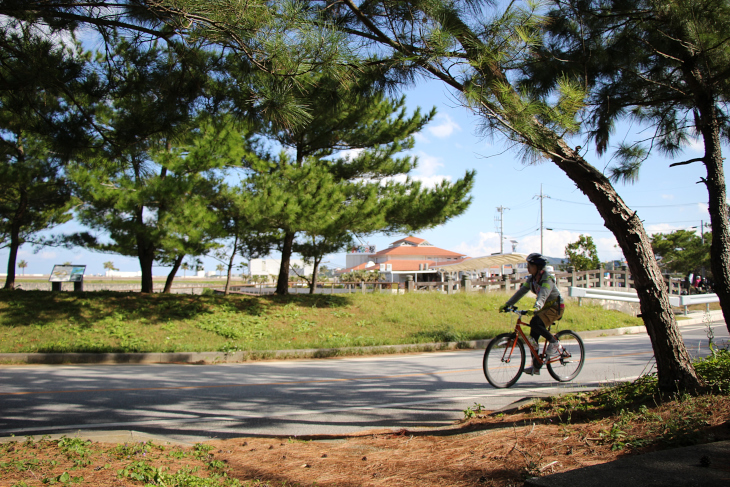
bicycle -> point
(504, 358)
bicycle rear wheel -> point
(571, 359)
(504, 360)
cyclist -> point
(549, 305)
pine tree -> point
(664, 63)
(323, 197)
(35, 78)
(149, 187)
(480, 51)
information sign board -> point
(67, 273)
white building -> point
(407, 256)
(270, 267)
(123, 274)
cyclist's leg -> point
(537, 330)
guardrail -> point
(689, 299)
(676, 301)
(602, 293)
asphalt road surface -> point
(293, 398)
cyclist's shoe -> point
(553, 350)
(532, 370)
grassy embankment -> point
(36, 321)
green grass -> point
(37, 321)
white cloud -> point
(661, 228)
(487, 243)
(350, 153)
(48, 255)
(703, 208)
(668, 196)
(427, 181)
(553, 245)
(608, 248)
(428, 165)
(421, 138)
(446, 126)
(431, 181)
(696, 145)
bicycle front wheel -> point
(572, 357)
(504, 360)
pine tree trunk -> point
(674, 367)
(282, 283)
(171, 276)
(15, 239)
(12, 256)
(146, 259)
(313, 284)
(718, 208)
(230, 266)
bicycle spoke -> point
(504, 360)
(571, 359)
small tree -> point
(220, 268)
(682, 251)
(22, 265)
(582, 254)
(110, 266)
(185, 267)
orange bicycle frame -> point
(519, 333)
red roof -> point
(401, 265)
(413, 240)
(419, 251)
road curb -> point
(210, 358)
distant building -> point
(270, 267)
(123, 273)
(407, 256)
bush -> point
(715, 371)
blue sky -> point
(666, 198)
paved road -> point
(291, 398)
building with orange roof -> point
(408, 256)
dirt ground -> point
(486, 450)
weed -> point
(130, 450)
(142, 472)
(304, 326)
(64, 478)
(715, 371)
(473, 411)
(201, 450)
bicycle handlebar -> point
(513, 309)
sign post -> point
(67, 273)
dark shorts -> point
(551, 315)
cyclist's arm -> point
(547, 288)
(520, 292)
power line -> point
(634, 206)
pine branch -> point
(684, 163)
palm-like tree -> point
(220, 268)
(185, 267)
(110, 266)
(22, 265)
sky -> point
(665, 198)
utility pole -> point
(500, 219)
(542, 197)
